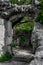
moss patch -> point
(5, 57)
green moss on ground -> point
(5, 57)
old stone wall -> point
(37, 41)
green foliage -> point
(5, 57)
(40, 17)
(14, 1)
(26, 18)
(27, 2)
(25, 26)
(41, 4)
(28, 26)
(20, 2)
(21, 40)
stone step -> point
(22, 55)
(23, 59)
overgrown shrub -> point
(25, 26)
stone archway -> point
(8, 13)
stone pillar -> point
(37, 42)
(8, 36)
(35, 36)
(2, 35)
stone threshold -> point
(22, 55)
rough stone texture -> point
(2, 35)
(5, 36)
(37, 35)
(37, 41)
(8, 35)
(38, 31)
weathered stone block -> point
(2, 35)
